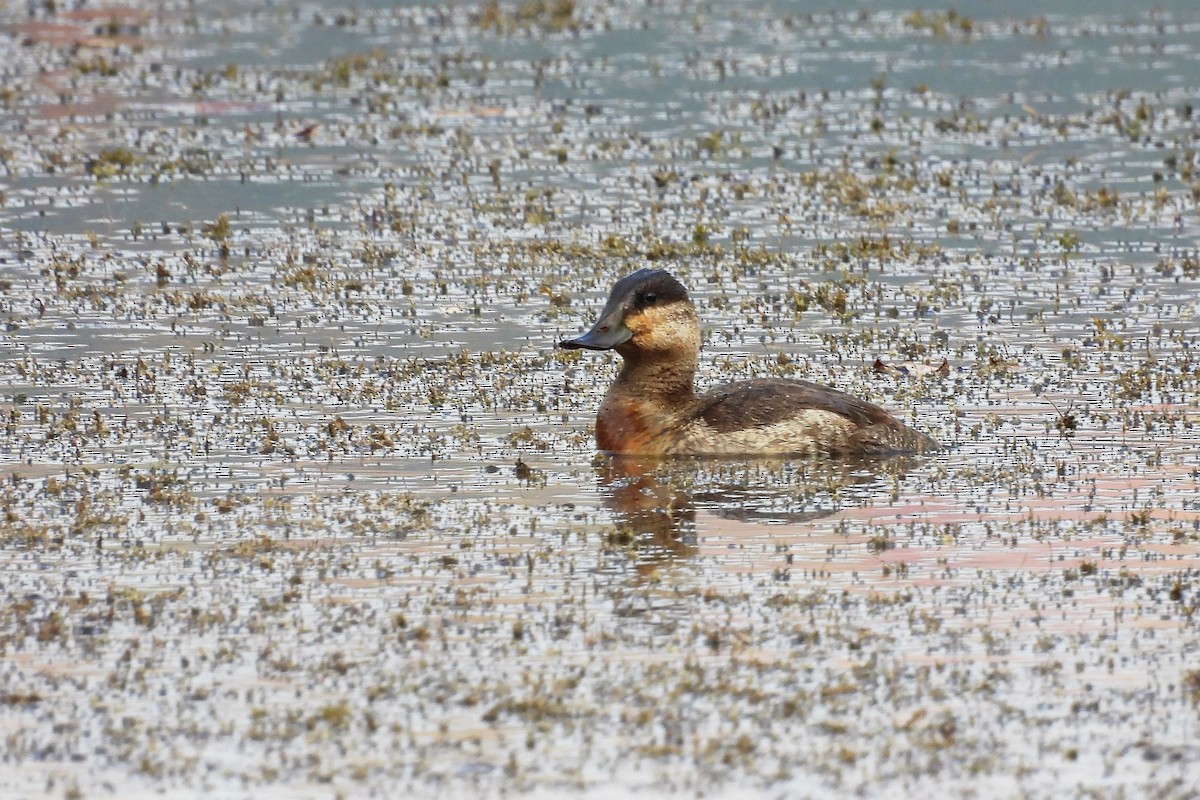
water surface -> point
(301, 500)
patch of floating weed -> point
(940, 23)
(310, 275)
(98, 65)
(882, 249)
(252, 549)
(19, 698)
(831, 296)
(876, 197)
(1191, 686)
(9, 97)
(341, 71)
(143, 608)
(162, 486)
(553, 16)
(219, 230)
(335, 717)
(194, 161)
(533, 709)
(1188, 266)
(1137, 382)
(959, 122)
(111, 162)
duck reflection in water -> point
(666, 508)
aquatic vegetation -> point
(297, 492)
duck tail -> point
(894, 439)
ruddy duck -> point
(653, 409)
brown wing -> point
(753, 404)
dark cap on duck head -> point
(636, 291)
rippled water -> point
(301, 500)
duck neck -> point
(670, 382)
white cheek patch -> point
(666, 330)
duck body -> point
(652, 408)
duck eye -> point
(649, 298)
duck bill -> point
(608, 332)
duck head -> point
(648, 312)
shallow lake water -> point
(300, 500)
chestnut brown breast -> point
(628, 426)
